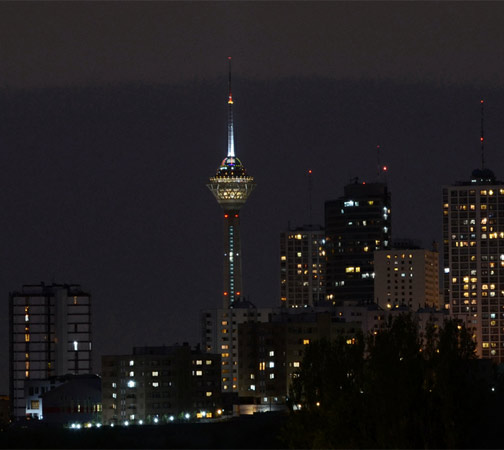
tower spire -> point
(482, 139)
(231, 151)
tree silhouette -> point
(395, 389)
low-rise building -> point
(156, 384)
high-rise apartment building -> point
(49, 335)
(302, 266)
(220, 335)
(357, 224)
(473, 258)
(406, 277)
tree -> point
(398, 389)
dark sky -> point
(113, 116)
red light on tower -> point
(310, 171)
(385, 168)
(237, 293)
(226, 216)
(225, 293)
(236, 215)
(481, 139)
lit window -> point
(295, 363)
(132, 363)
(272, 376)
(155, 373)
(132, 374)
(199, 362)
(208, 394)
(155, 384)
(272, 353)
(199, 373)
(131, 384)
(271, 365)
(306, 341)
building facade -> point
(159, 384)
(49, 335)
(473, 259)
(220, 335)
(408, 277)
(357, 224)
(271, 353)
(302, 266)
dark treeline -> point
(398, 389)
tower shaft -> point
(232, 267)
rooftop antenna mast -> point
(378, 163)
(482, 139)
(310, 188)
(231, 151)
(381, 169)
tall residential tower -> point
(231, 186)
(49, 336)
(357, 224)
(302, 266)
(473, 254)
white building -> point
(473, 259)
(49, 335)
(406, 277)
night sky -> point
(113, 116)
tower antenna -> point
(310, 188)
(482, 139)
(231, 151)
(378, 164)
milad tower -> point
(231, 187)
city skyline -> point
(104, 178)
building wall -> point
(155, 383)
(76, 399)
(271, 353)
(473, 260)
(49, 335)
(302, 266)
(220, 335)
(356, 224)
(407, 277)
